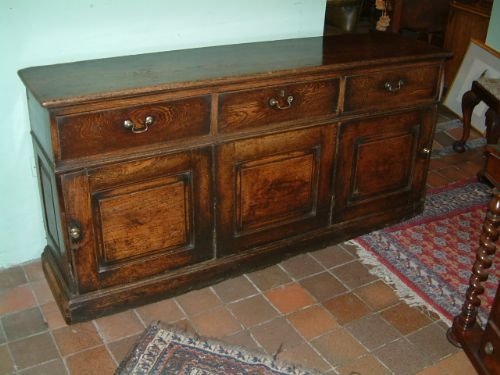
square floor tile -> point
(6, 363)
(96, 361)
(405, 319)
(313, 321)
(53, 315)
(372, 331)
(305, 356)
(55, 367)
(243, 339)
(166, 311)
(368, 365)
(11, 278)
(215, 323)
(323, 286)
(234, 289)
(276, 336)
(34, 271)
(289, 298)
(353, 274)
(347, 308)
(121, 348)
(23, 323)
(301, 266)
(332, 256)
(253, 310)
(378, 295)
(455, 364)
(339, 347)
(198, 300)
(117, 326)
(16, 299)
(77, 337)
(401, 357)
(269, 278)
(431, 341)
(33, 350)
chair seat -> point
(492, 85)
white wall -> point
(34, 32)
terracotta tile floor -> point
(322, 309)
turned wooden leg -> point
(469, 101)
(480, 270)
(492, 124)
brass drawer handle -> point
(129, 125)
(389, 87)
(275, 103)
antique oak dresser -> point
(168, 171)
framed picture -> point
(479, 60)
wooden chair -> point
(482, 346)
(488, 91)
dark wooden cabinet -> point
(164, 172)
(466, 20)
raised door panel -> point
(382, 163)
(273, 187)
(139, 219)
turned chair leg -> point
(469, 101)
(480, 271)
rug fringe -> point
(402, 290)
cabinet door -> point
(133, 220)
(382, 163)
(273, 187)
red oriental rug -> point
(429, 258)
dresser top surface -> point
(84, 81)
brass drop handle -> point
(75, 232)
(389, 87)
(275, 103)
(426, 151)
(130, 125)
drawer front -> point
(107, 131)
(246, 109)
(391, 88)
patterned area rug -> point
(167, 350)
(429, 258)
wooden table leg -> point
(466, 320)
(469, 101)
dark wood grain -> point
(409, 85)
(103, 132)
(273, 187)
(381, 163)
(248, 109)
(466, 21)
(92, 80)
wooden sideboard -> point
(168, 171)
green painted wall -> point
(34, 32)
(493, 37)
